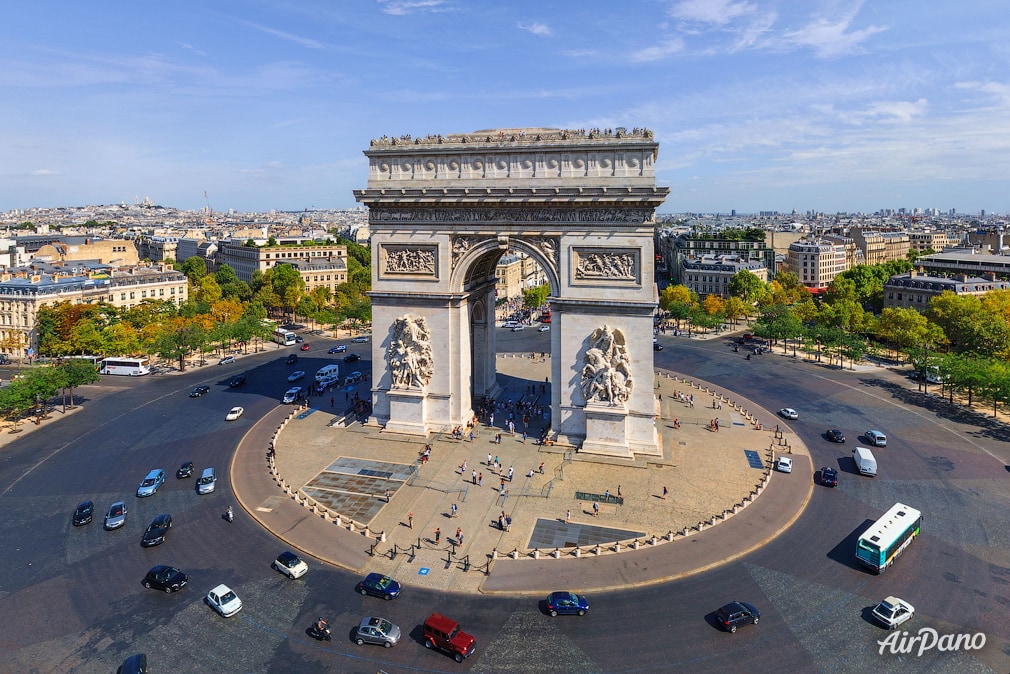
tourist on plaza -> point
(438, 535)
(541, 469)
(596, 508)
(568, 516)
(410, 519)
(453, 510)
(510, 473)
(480, 479)
(665, 492)
(489, 458)
(473, 475)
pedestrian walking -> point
(568, 517)
(541, 469)
(510, 473)
(508, 523)
(410, 519)
(524, 437)
(618, 491)
(480, 479)
(606, 496)
(438, 535)
(453, 510)
(473, 474)
(459, 536)
(331, 402)
(665, 492)
(462, 469)
(489, 459)
(596, 508)
(387, 496)
(531, 473)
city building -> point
(509, 276)
(23, 291)
(880, 246)
(710, 274)
(963, 262)
(746, 244)
(319, 264)
(816, 263)
(914, 290)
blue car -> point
(566, 603)
(378, 585)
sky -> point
(758, 105)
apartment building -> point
(710, 274)
(880, 246)
(816, 262)
(319, 264)
(914, 290)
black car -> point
(351, 357)
(292, 359)
(835, 435)
(166, 578)
(199, 391)
(829, 477)
(185, 470)
(737, 613)
(84, 513)
(236, 381)
(156, 531)
(379, 585)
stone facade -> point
(442, 212)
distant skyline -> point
(758, 105)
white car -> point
(234, 413)
(789, 413)
(224, 600)
(784, 464)
(876, 438)
(519, 328)
(290, 564)
(544, 328)
(893, 612)
(227, 360)
(296, 375)
(361, 339)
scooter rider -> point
(229, 514)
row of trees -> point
(31, 390)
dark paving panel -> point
(354, 466)
(359, 507)
(557, 534)
(754, 459)
(356, 484)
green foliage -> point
(747, 286)
(195, 268)
(536, 297)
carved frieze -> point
(409, 355)
(606, 264)
(383, 214)
(408, 260)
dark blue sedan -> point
(566, 603)
(378, 585)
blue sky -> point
(757, 104)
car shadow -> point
(846, 464)
(713, 621)
(844, 552)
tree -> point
(536, 297)
(747, 286)
(195, 268)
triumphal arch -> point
(444, 209)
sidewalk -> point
(707, 474)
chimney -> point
(912, 274)
(989, 275)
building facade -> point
(879, 246)
(914, 290)
(816, 263)
(319, 265)
(710, 275)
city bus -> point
(888, 537)
(131, 367)
(94, 360)
(284, 337)
(545, 315)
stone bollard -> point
(669, 535)
(382, 537)
(736, 508)
(366, 533)
(578, 552)
(494, 553)
(617, 546)
(557, 553)
(683, 532)
(536, 554)
(701, 526)
(597, 550)
(336, 520)
(634, 546)
(350, 525)
(514, 554)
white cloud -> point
(719, 12)
(830, 38)
(903, 111)
(297, 39)
(998, 90)
(658, 52)
(538, 29)
(45, 172)
(402, 7)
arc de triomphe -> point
(442, 211)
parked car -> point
(892, 612)
(166, 578)
(445, 634)
(789, 413)
(84, 513)
(116, 516)
(379, 585)
(185, 470)
(150, 484)
(234, 413)
(224, 600)
(291, 359)
(290, 564)
(835, 435)
(199, 391)
(296, 375)
(566, 603)
(352, 357)
(784, 464)
(236, 381)
(339, 348)
(227, 360)
(304, 347)
(737, 613)
(292, 395)
(360, 339)
(375, 630)
(829, 477)
(156, 531)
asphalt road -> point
(71, 598)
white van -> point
(331, 371)
(865, 462)
(207, 481)
(876, 438)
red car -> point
(305, 346)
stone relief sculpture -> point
(533, 215)
(409, 261)
(460, 245)
(606, 375)
(549, 246)
(605, 265)
(409, 354)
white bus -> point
(131, 367)
(284, 337)
(888, 537)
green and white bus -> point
(888, 537)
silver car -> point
(376, 630)
(116, 516)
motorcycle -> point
(320, 634)
(229, 515)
